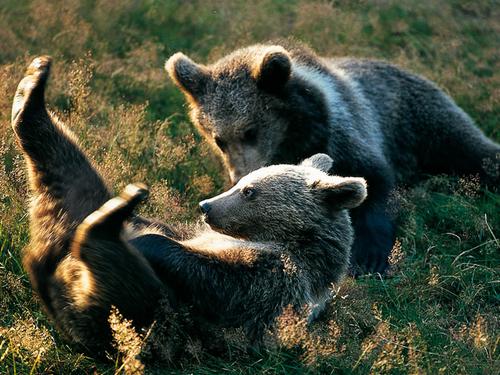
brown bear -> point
(279, 237)
(280, 103)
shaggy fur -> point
(280, 237)
(269, 104)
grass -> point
(438, 312)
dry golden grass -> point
(438, 310)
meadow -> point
(438, 309)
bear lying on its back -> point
(280, 237)
(269, 104)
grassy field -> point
(437, 312)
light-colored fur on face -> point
(229, 109)
(285, 201)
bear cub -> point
(281, 236)
(280, 103)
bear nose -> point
(205, 207)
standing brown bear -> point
(268, 104)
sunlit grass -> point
(438, 310)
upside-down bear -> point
(279, 237)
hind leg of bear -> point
(77, 281)
(64, 186)
(57, 168)
(374, 237)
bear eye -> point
(220, 143)
(250, 135)
(248, 192)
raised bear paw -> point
(29, 98)
(108, 220)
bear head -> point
(245, 105)
(284, 202)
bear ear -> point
(319, 161)
(341, 193)
(187, 75)
(274, 70)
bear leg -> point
(58, 169)
(375, 233)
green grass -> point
(437, 312)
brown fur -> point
(66, 268)
(88, 252)
(280, 103)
